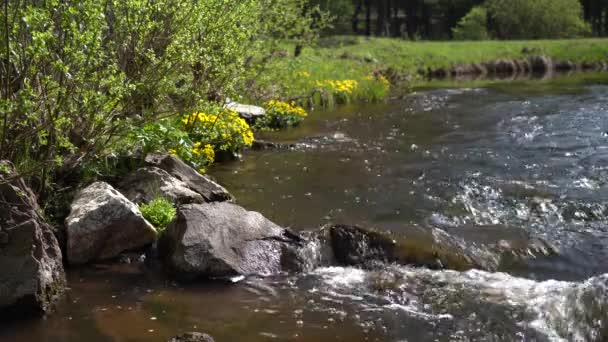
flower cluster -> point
(206, 151)
(303, 74)
(379, 78)
(385, 82)
(196, 138)
(281, 114)
(345, 87)
(225, 131)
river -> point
(499, 158)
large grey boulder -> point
(203, 185)
(147, 183)
(222, 239)
(32, 276)
(103, 223)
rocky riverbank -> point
(210, 238)
(534, 65)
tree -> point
(78, 75)
(472, 26)
(523, 19)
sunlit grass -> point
(359, 58)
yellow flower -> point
(304, 74)
(226, 129)
(209, 153)
(285, 109)
(173, 152)
(339, 86)
(385, 82)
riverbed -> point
(471, 160)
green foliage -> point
(472, 26)
(341, 12)
(195, 138)
(326, 76)
(280, 115)
(5, 169)
(77, 76)
(222, 128)
(299, 21)
(160, 212)
(524, 19)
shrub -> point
(160, 212)
(525, 19)
(374, 88)
(77, 76)
(195, 138)
(472, 26)
(341, 90)
(225, 130)
(280, 115)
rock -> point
(32, 276)
(147, 183)
(505, 67)
(438, 73)
(523, 66)
(222, 239)
(541, 64)
(247, 112)
(263, 145)
(492, 248)
(192, 337)
(103, 223)
(205, 186)
(564, 66)
(591, 66)
(354, 245)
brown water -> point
(531, 155)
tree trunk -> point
(368, 18)
(411, 18)
(381, 18)
(356, 14)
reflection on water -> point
(448, 158)
(474, 162)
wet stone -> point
(3, 238)
(192, 337)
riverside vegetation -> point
(135, 77)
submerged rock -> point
(32, 275)
(263, 145)
(103, 223)
(222, 240)
(354, 245)
(148, 183)
(192, 337)
(203, 185)
(433, 248)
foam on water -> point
(559, 310)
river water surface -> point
(526, 156)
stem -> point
(7, 77)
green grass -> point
(160, 212)
(355, 58)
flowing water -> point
(475, 162)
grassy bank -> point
(360, 59)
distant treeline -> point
(436, 19)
